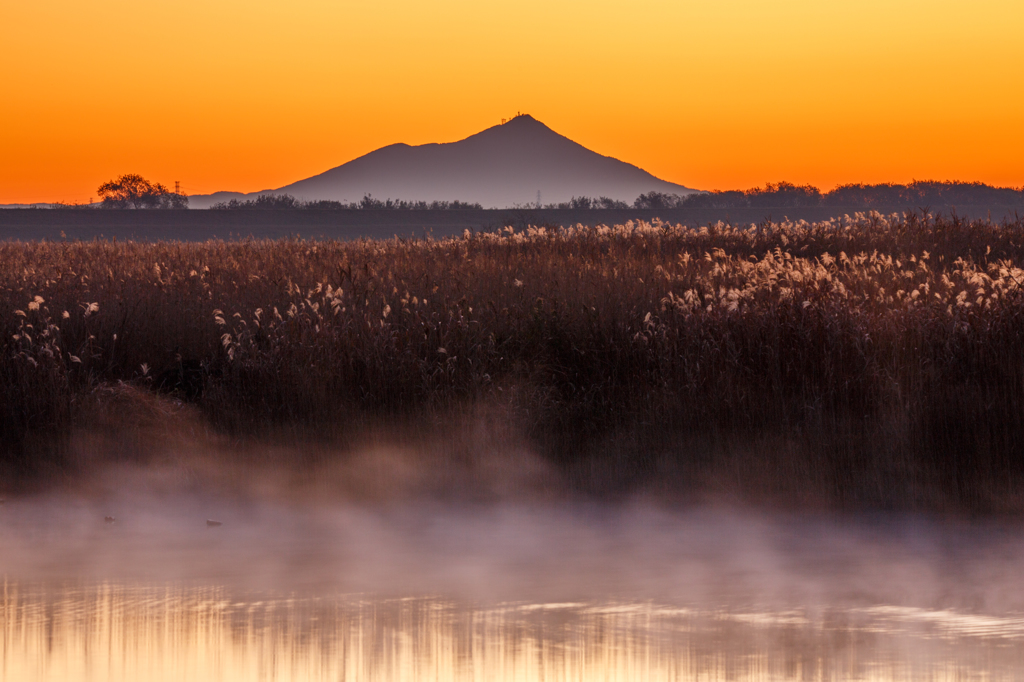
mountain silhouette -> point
(500, 167)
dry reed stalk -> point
(883, 356)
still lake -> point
(291, 591)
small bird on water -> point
(210, 523)
(109, 519)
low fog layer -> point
(149, 525)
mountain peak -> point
(520, 125)
(520, 162)
(522, 120)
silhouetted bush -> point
(588, 203)
(784, 195)
(269, 202)
(729, 199)
(658, 200)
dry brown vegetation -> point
(869, 361)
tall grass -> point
(864, 361)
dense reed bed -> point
(868, 361)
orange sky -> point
(246, 95)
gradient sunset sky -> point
(233, 95)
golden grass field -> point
(864, 362)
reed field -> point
(865, 362)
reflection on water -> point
(412, 590)
(125, 631)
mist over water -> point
(495, 552)
(371, 574)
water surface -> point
(501, 592)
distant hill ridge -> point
(519, 163)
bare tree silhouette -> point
(134, 191)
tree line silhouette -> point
(132, 191)
(773, 195)
(785, 194)
(288, 202)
